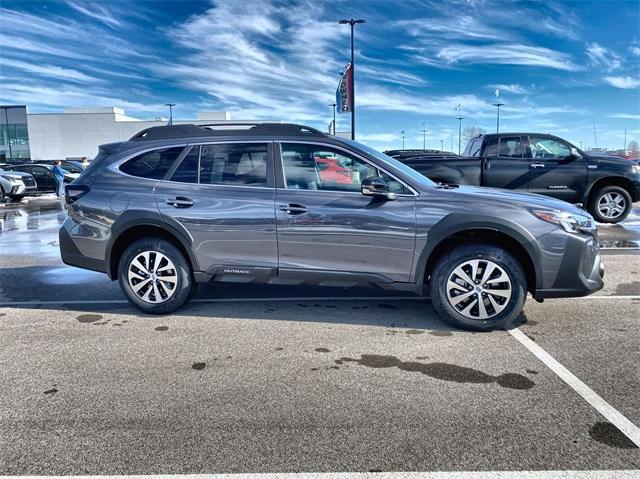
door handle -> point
(293, 209)
(537, 165)
(179, 202)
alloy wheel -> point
(152, 277)
(479, 289)
(611, 205)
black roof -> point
(224, 129)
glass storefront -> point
(14, 134)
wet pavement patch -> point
(88, 318)
(628, 289)
(444, 371)
(441, 334)
(51, 391)
(198, 366)
(414, 331)
(608, 434)
(322, 350)
(161, 328)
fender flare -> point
(459, 222)
(134, 218)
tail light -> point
(74, 192)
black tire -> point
(1, 193)
(184, 283)
(595, 198)
(16, 197)
(485, 252)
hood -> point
(14, 174)
(526, 200)
(611, 160)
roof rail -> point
(223, 128)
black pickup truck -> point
(538, 163)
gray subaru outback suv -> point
(281, 203)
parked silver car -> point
(16, 185)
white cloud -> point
(94, 10)
(635, 50)
(625, 82)
(603, 57)
(507, 54)
(625, 116)
(49, 71)
(379, 137)
(510, 88)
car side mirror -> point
(574, 154)
(376, 186)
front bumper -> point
(580, 271)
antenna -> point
(595, 136)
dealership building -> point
(74, 133)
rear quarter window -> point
(152, 164)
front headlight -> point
(635, 169)
(15, 181)
(570, 222)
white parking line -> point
(281, 300)
(630, 474)
(603, 407)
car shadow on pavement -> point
(405, 316)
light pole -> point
(441, 145)
(333, 107)
(498, 104)
(424, 136)
(460, 118)
(352, 22)
(170, 105)
(402, 139)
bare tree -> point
(634, 149)
(471, 131)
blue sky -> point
(560, 66)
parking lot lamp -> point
(459, 118)
(441, 145)
(402, 139)
(352, 22)
(333, 107)
(424, 136)
(498, 104)
(170, 105)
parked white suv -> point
(16, 185)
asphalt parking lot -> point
(282, 379)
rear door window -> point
(242, 164)
(152, 164)
(510, 147)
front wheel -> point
(610, 204)
(155, 276)
(478, 286)
(16, 197)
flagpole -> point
(352, 82)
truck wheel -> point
(610, 204)
(478, 286)
(155, 276)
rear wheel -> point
(479, 287)
(155, 276)
(16, 197)
(610, 204)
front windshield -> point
(419, 179)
